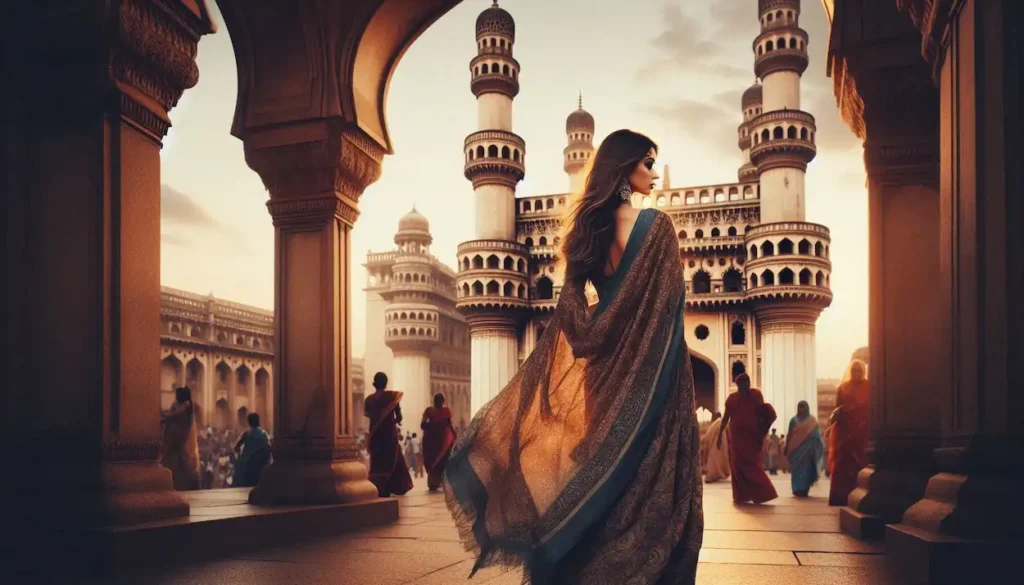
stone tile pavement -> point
(785, 542)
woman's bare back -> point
(625, 219)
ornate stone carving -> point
(906, 161)
(932, 18)
(128, 450)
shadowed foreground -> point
(784, 542)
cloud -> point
(704, 121)
(833, 134)
(687, 44)
(178, 208)
(730, 100)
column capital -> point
(903, 160)
(314, 170)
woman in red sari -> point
(848, 440)
(438, 440)
(751, 418)
(388, 470)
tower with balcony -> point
(579, 132)
(492, 267)
(787, 268)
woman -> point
(438, 440)
(255, 453)
(716, 466)
(585, 468)
(804, 450)
(748, 418)
(849, 441)
(179, 450)
(388, 469)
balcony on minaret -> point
(492, 275)
(782, 138)
(789, 261)
(411, 328)
(495, 157)
(780, 49)
(494, 73)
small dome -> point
(496, 21)
(413, 222)
(579, 120)
(752, 96)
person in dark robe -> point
(438, 440)
(585, 467)
(388, 469)
(179, 449)
(253, 449)
(748, 418)
(850, 433)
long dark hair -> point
(591, 223)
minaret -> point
(579, 130)
(787, 267)
(751, 105)
(411, 317)
(492, 279)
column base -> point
(880, 498)
(290, 483)
(923, 557)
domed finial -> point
(581, 100)
(495, 5)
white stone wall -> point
(494, 112)
(376, 355)
(495, 359)
(789, 370)
(495, 212)
(781, 91)
(411, 375)
(782, 195)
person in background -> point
(388, 470)
(850, 432)
(254, 445)
(438, 440)
(773, 447)
(748, 418)
(716, 467)
(804, 450)
(179, 449)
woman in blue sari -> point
(805, 450)
(586, 468)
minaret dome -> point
(496, 21)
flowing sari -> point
(805, 450)
(716, 467)
(438, 440)
(388, 470)
(586, 467)
(849, 439)
(749, 420)
(179, 448)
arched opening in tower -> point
(703, 382)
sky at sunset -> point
(671, 69)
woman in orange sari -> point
(848, 440)
(388, 470)
(438, 440)
(750, 417)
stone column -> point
(886, 95)
(969, 526)
(495, 357)
(315, 172)
(89, 91)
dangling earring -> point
(625, 191)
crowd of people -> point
(211, 458)
(738, 446)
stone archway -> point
(705, 378)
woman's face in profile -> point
(644, 176)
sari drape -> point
(585, 468)
(438, 440)
(716, 467)
(179, 447)
(388, 470)
(805, 450)
(849, 439)
(749, 419)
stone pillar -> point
(89, 89)
(969, 526)
(495, 357)
(788, 361)
(886, 95)
(315, 172)
(411, 376)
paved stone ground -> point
(786, 542)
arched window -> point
(506, 152)
(715, 232)
(786, 276)
(753, 252)
(768, 277)
(732, 230)
(791, 132)
(493, 288)
(480, 151)
(661, 201)
(701, 282)
(732, 281)
(792, 43)
(698, 234)
(705, 197)
(682, 235)
(521, 292)
(515, 155)
(766, 135)
(492, 151)
(737, 333)
(521, 266)
(805, 277)
(478, 262)
(803, 134)
(465, 263)
(786, 246)
(504, 68)
(545, 288)
(507, 263)
(543, 241)
(508, 289)
(719, 195)
(804, 247)
(819, 279)
(748, 193)
(818, 249)
(770, 18)
(767, 249)
(777, 133)
(529, 242)
(769, 46)
(753, 281)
